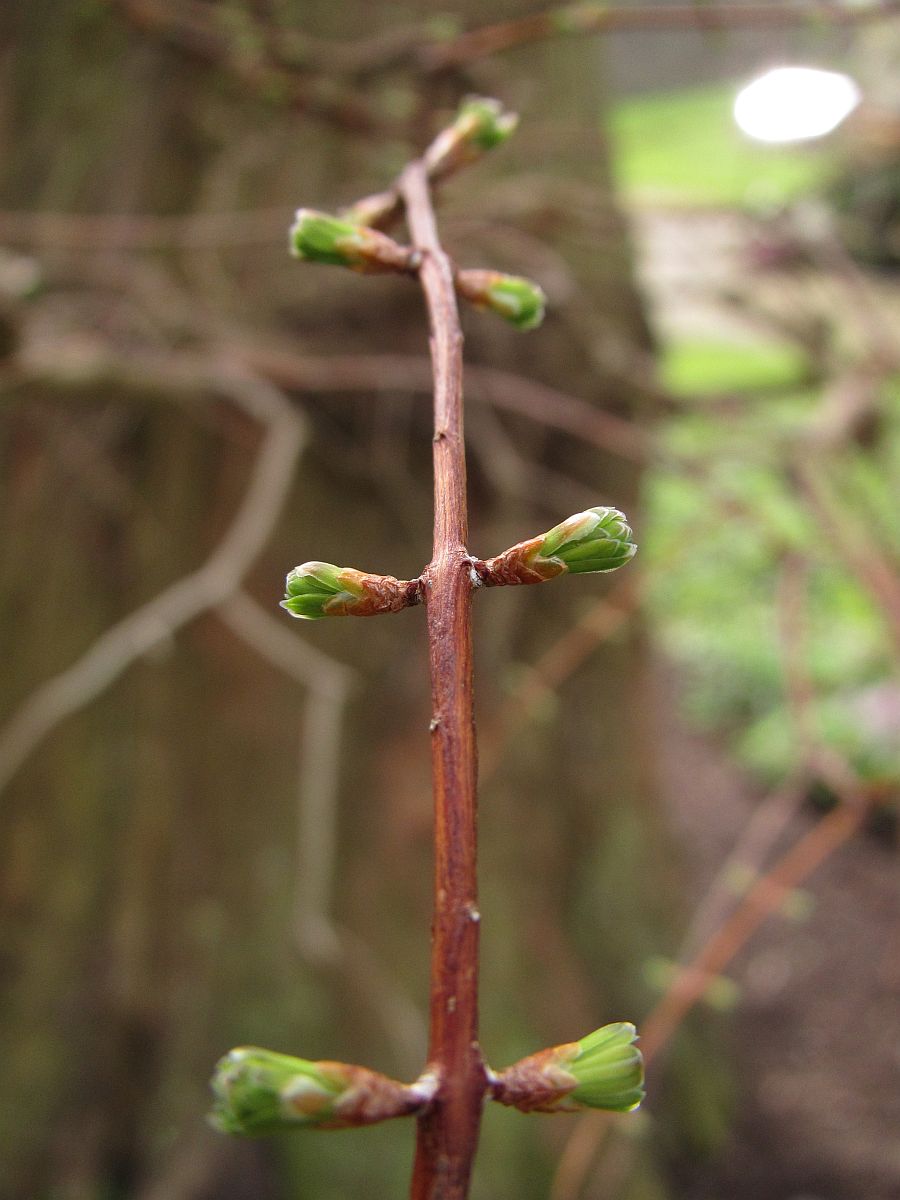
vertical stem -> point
(448, 1132)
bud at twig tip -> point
(517, 300)
(598, 539)
(485, 122)
(603, 1070)
(322, 238)
(260, 1091)
(481, 123)
(317, 589)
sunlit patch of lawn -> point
(684, 148)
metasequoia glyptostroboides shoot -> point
(258, 1091)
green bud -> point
(599, 539)
(608, 1069)
(259, 1091)
(596, 540)
(315, 587)
(480, 124)
(603, 1070)
(517, 300)
(484, 122)
(320, 237)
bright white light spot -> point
(791, 104)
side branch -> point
(587, 18)
(202, 589)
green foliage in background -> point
(684, 148)
(724, 511)
(721, 519)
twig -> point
(692, 979)
(293, 60)
(186, 27)
(768, 821)
(325, 943)
(448, 1131)
(588, 18)
(601, 621)
(707, 954)
(764, 898)
(858, 551)
(203, 589)
(90, 232)
(328, 684)
(504, 390)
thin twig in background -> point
(124, 232)
(505, 390)
(263, 54)
(321, 940)
(584, 19)
(562, 658)
(201, 590)
(716, 936)
(192, 28)
(765, 898)
(850, 539)
(327, 684)
(691, 980)
(767, 823)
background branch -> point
(203, 589)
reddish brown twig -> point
(858, 550)
(693, 978)
(764, 898)
(562, 658)
(448, 1131)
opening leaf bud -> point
(261, 1091)
(317, 589)
(596, 540)
(608, 1069)
(599, 539)
(603, 1070)
(484, 122)
(517, 300)
(322, 238)
(480, 124)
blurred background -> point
(216, 823)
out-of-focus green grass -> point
(684, 148)
(700, 367)
(724, 511)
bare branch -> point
(195, 593)
(504, 390)
(320, 939)
(90, 232)
(587, 18)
